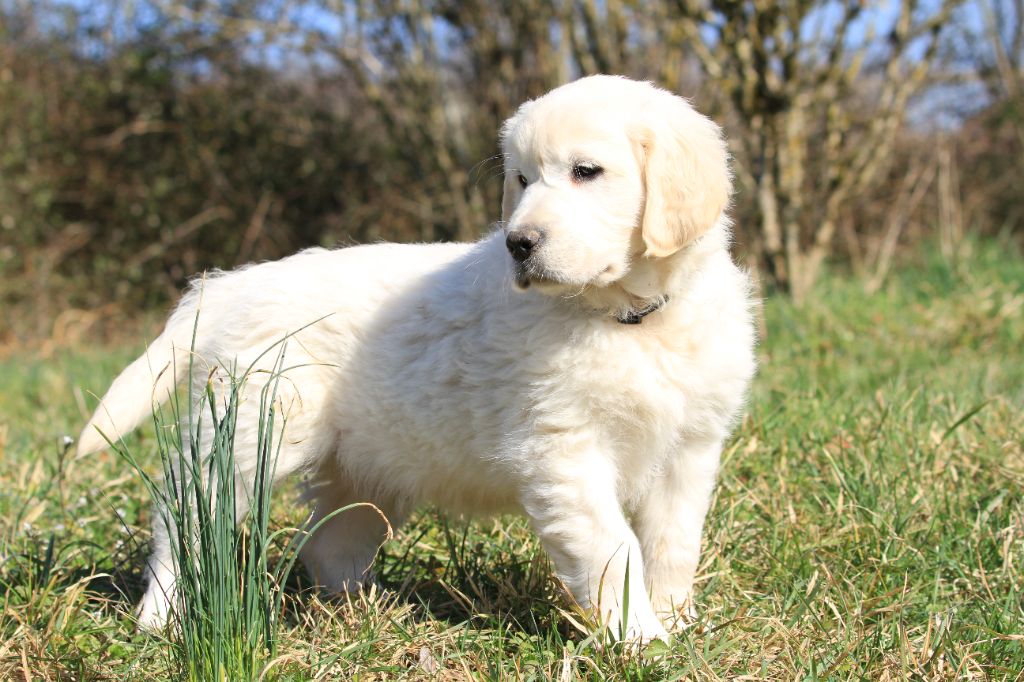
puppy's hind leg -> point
(175, 523)
(176, 516)
(174, 513)
(161, 579)
(340, 553)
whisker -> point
(583, 288)
(481, 166)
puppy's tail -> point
(144, 385)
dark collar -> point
(636, 315)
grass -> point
(869, 522)
(226, 602)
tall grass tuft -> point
(227, 602)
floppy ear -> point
(686, 173)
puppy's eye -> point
(585, 170)
(523, 182)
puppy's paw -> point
(153, 611)
(642, 635)
(343, 589)
(639, 630)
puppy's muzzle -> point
(523, 242)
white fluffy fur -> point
(431, 377)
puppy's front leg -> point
(574, 509)
(669, 522)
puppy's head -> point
(602, 172)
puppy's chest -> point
(637, 390)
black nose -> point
(522, 243)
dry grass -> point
(869, 522)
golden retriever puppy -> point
(582, 364)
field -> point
(869, 522)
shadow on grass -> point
(37, 574)
(460, 573)
(454, 572)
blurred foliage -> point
(127, 172)
(990, 150)
(142, 142)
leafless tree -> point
(799, 76)
(999, 47)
